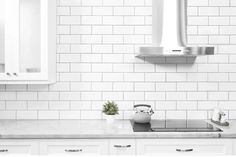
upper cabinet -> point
(27, 41)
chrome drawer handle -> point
(3, 150)
(184, 150)
(120, 146)
(73, 150)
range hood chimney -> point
(170, 31)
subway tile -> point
(48, 115)
(64, 115)
(27, 115)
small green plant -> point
(110, 108)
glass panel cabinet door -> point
(2, 37)
(30, 36)
(9, 37)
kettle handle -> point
(142, 105)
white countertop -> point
(94, 129)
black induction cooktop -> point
(175, 126)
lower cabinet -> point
(119, 146)
(122, 147)
(184, 147)
(82, 146)
(19, 147)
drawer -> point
(18, 147)
(83, 147)
(122, 147)
(184, 147)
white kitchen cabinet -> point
(27, 41)
(77, 147)
(19, 147)
(122, 147)
(184, 147)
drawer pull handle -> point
(73, 150)
(120, 146)
(184, 150)
(3, 150)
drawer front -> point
(184, 147)
(18, 147)
(122, 147)
(83, 147)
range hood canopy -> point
(170, 31)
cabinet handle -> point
(73, 150)
(120, 146)
(3, 150)
(184, 150)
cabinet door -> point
(122, 147)
(77, 147)
(9, 37)
(32, 54)
(184, 147)
(27, 41)
(18, 147)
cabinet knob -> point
(122, 146)
(15, 74)
(8, 74)
(73, 150)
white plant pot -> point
(110, 119)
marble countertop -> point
(92, 129)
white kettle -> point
(143, 113)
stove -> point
(175, 126)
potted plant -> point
(110, 109)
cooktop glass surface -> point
(175, 126)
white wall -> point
(97, 42)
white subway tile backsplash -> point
(97, 43)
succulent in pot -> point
(110, 109)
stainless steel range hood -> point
(170, 31)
